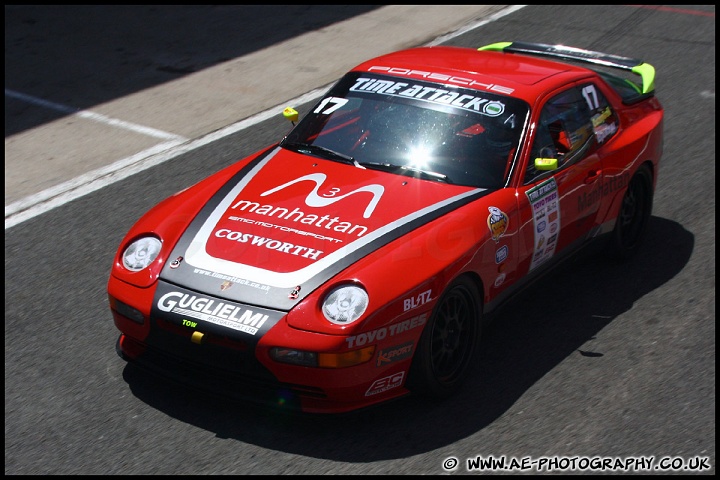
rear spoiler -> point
(638, 67)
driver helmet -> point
(500, 137)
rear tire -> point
(633, 218)
(449, 342)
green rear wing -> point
(644, 70)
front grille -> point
(217, 352)
(204, 367)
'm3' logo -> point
(315, 200)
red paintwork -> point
(397, 275)
(285, 168)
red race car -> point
(356, 260)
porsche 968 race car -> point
(356, 260)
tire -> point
(449, 342)
(633, 217)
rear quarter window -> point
(628, 90)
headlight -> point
(141, 253)
(345, 304)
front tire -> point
(449, 342)
(634, 216)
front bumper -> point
(263, 390)
(236, 364)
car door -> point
(558, 199)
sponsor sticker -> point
(497, 222)
(367, 338)
(430, 94)
(414, 302)
(501, 254)
(386, 383)
(394, 354)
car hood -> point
(288, 222)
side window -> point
(603, 117)
(565, 131)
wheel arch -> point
(438, 369)
(477, 280)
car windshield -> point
(408, 127)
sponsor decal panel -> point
(545, 207)
(283, 232)
(191, 309)
(283, 227)
(430, 94)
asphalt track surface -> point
(600, 361)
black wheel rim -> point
(451, 344)
(633, 213)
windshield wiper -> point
(427, 174)
(327, 153)
(319, 151)
(406, 170)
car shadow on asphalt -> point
(537, 331)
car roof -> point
(518, 75)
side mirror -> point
(290, 114)
(546, 164)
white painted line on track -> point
(63, 193)
(96, 117)
(37, 204)
(473, 26)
